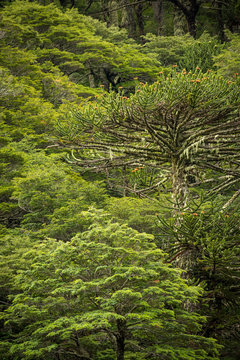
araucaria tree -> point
(181, 125)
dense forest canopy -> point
(119, 188)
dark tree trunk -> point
(128, 18)
(140, 21)
(191, 20)
(220, 23)
(190, 11)
(158, 15)
(91, 78)
(180, 24)
(120, 339)
(104, 11)
(65, 3)
(113, 16)
(120, 348)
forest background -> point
(119, 190)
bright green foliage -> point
(107, 291)
(182, 124)
(140, 214)
(20, 103)
(29, 95)
(184, 50)
(11, 162)
(52, 196)
(42, 80)
(201, 53)
(24, 115)
(13, 247)
(168, 50)
(73, 43)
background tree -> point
(206, 239)
(160, 17)
(227, 61)
(186, 52)
(190, 10)
(52, 196)
(72, 44)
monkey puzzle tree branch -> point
(182, 123)
(230, 201)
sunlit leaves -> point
(107, 278)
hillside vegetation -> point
(119, 188)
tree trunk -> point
(66, 3)
(103, 78)
(104, 10)
(220, 23)
(180, 189)
(128, 20)
(120, 348)
(113, 15)
(140, 21)
(179, 22)
(190, 11)
(157, 7)
(91, 79)
(191, 20)
(120, 338)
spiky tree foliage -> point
(184, 51)
(181, 125)
(207, 239)
(200, 53)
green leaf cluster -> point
(81, 48)
(110, 281)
